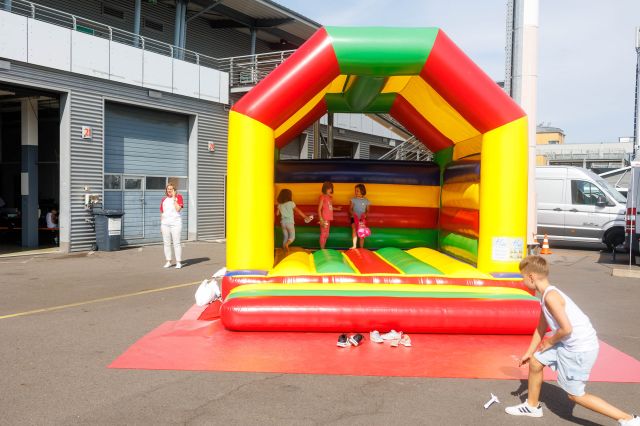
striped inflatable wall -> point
(460, 210)
(405, 201)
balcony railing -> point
(410, 150)
(98, 29)
(247, 71)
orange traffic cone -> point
(545, 246)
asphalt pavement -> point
(65, 318)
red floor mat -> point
(205, 345)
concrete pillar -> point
(136, 21)
(330, 134)
(254, 71)
(254, 35)
(183, 27)
(178, 24)
(316, 140)
(29, 171)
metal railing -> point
(98, 29)
(248, 70)
(410, 150)
(245, 70)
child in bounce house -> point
(286, 207)
(325, 212)
(571, 348)
(358, 210)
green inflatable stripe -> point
(407, 263)
(381, 104)
(382, 51)
(467, 245)
(331, 262)
(364, 91)
(340, 238)
(377, 293)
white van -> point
(575, 204)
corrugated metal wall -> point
(88, 96)
(201, 38)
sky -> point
(586, 51)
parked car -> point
(576, 205)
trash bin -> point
(108, 225)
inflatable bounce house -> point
(446, 236)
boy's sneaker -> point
(635, 421)
(392, 335)
(343, 342)
(405, 340)
(524, 409)
(356, 339)
(375, 337)
(168, 264)
(178, 265)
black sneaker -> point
(356, 339)
(342, 341)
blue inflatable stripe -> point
(246, 272)
(462, 171)
(358, 171)
(506, 275)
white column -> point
(524, 87)
(64, 217)
(192, 230)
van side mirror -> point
(601, 201)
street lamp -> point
(635, 114)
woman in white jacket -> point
(171, 224)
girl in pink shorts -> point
(325, 212)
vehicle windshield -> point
(611, 190)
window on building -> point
(112, 182)
(156, 183)
(181, 183)
(133, 183)
(554, 142)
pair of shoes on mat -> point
(354, 340)
(405, 341)
(524, 409)
(396, 338)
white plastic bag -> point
(209, 290)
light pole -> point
(635, 114)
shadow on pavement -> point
(195, 261)
(555, 400)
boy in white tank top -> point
(571, 348)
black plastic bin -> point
(108, 229)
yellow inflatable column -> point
(250, 195)
(503, 198)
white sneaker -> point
(375, 337)
(635, 421)
(392, 335)
(168, 264)
(524, 409)
(178, 265)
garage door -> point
(144, 149)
